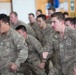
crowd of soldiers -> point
(44, 46)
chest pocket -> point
(56, 46)
(6, 47)
(69, 45)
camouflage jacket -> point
(62, 52)
(29, 29)
(34, 49)
(45, 33)
(12, 48)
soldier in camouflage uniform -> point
(14, 22)
(34, 47)
(38, 12)
(66, 14)
(34, 25)
(13, 49)
(51, 10)
(42, 33)
(62, 47)
(70, 22)
(45, 29)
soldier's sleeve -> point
(47, 51)
(36, 44)
(22, 49)
(30, 30)
(38, 47)
(72, 34)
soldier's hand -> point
(41, 65)
(13, 67)
(74, 73)
(44, 54)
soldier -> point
(45, 32)
(13, 49)
(45, 29)
(38, 12)
(74, 22)
(14, 22)
(62, 47)
(66, 15)
(35, 53)
(70, 22)
(51, 10)
(32, 22)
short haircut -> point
(15, 13)
(42, 16)
(39, 10)
(59, 16)
(31, 14)
(65, 13)
(21, 27)
(70, 19)
(4, 18)
(74, 20)
(52, 8)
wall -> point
(5, 7)
(5, 0)
(71, 13)
(23, 7)
(65, 6)
(41, 4)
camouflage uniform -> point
(34, 59)
(62, 52)
(18, 23)
(33, 25)
(36, 28)
(48, 20)
(42, 34)
(12, 49)
(45, 33)
(29, 29)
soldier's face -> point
(3, 27)
(68, 23)
(13, 18)
(23, 33)
(31, 18)
(40, 22)
(56, 24)
(66, 16)
(37, 13)
(50, 12)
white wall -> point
(5, 7)
(23, 7)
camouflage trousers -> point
(69, 70)
(37, 70)
(53, 70)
